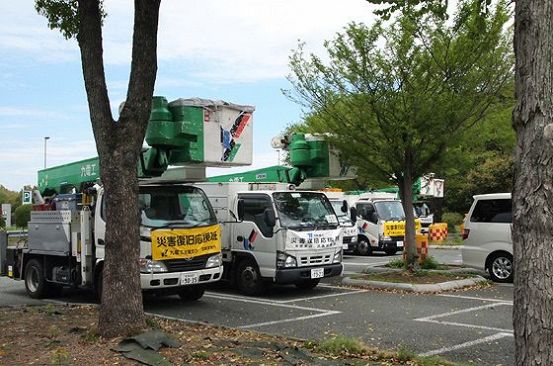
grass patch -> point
(338, 344)
(429, 263)
(201, 355)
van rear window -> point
(498, 210)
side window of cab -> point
(254, 211)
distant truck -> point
(381, 222)
(274, 234)
(347, 216)
(180, 248)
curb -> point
(423, 288)
(445, 246)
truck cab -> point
(381, 225)
(277, 236)
(347, 217)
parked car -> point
(487, 236)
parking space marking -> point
(323, 296)
(476, 298)
(322, 312)
(466, 344)
(327, 313)
(467, 310)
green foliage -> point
(397, 263)
(62, 15)
(23, 215)
(430, 263)
(339, 344)
(452, 219)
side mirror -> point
(240, 210)
(269, 217)
(353, 214)
(344, 207)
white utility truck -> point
(347, 215)
(272, 233)
(381, 222)
(179, 243)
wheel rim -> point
(32, 279)
(363, 246)
(249, 277)
(502, 267)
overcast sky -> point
(232, 50)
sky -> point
(236, 51)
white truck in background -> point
(274, 234)
(380, 221)
(347, 216)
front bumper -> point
(292, 275)
(154, 281)
(395, 243)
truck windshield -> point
(179, 206)
(390, 210)
(307, 210)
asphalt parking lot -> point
(466, 326)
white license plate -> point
(399, 244)
(189, 279)
(317, 273)
(345, 246)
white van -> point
(487, 236)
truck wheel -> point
(391, 251)
(248, 279)
(364, 247)
(191, 293)
(500, 267)
(308, 284)
(35, 283)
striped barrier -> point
(438, 233)
(422, 248)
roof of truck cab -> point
(491, 196)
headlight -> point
(285, 261)
(151, 266)
(338, 256)
(214, 261)
(384, 238)
(354, 239)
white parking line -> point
(323, 296)
(467, 310)
(466, 344)
(330, 312)
(476, 298)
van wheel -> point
(248, 279)
(364, 247)
(191, 293)
(500, 267)
(308, 284)
(35, 283)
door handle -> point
(240, 238)
(101, 242)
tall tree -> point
(532, 193)
(533, 189)
(395, 108)
(118, 143)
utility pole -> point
(46, 138)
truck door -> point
(100, 226)
(252, 235)
(368, 222)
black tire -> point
(363, 246)
(35, 283)
(308, 284)
(248, 279)
(500, 267)
(191, 293)
(54, 290)
(391, 251)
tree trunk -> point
(121, 311)
(119, 144)
(533, 188)
(405, 184)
